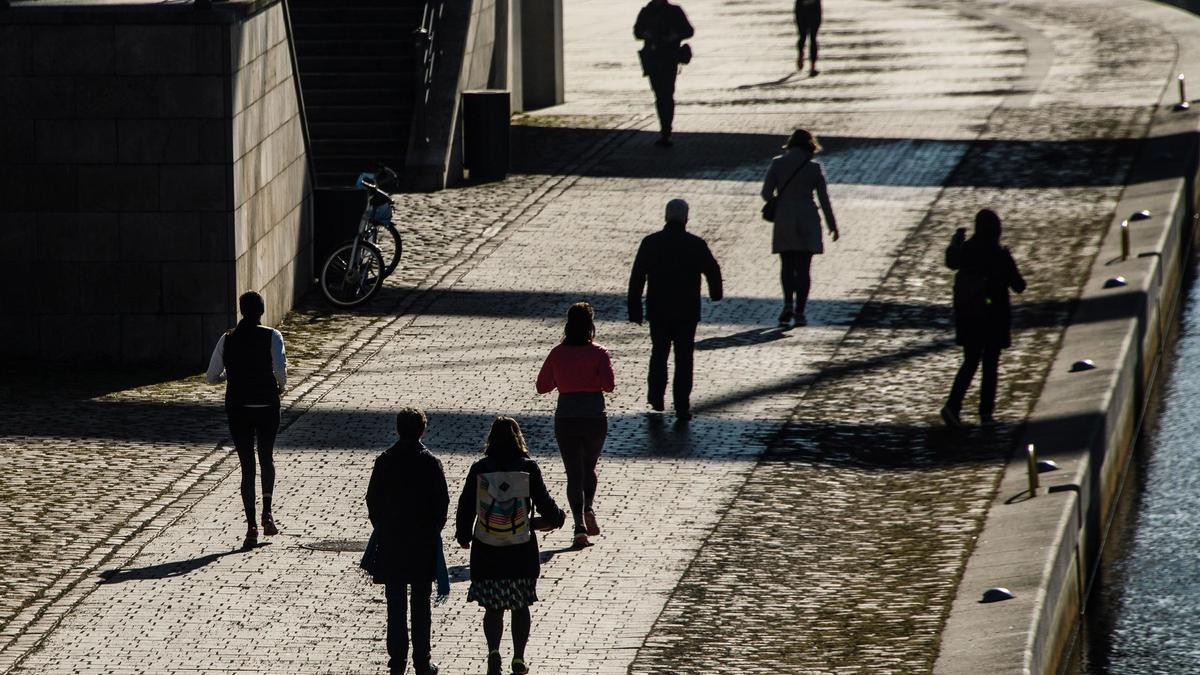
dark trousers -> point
(794, 275)
(972, 356)
(246, 425)
(580, 441)
(397, 625)
(662, 80)
(664, 335)
(808, 22)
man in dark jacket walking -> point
(663, 26)
(982, 312)
(407, 501)
(672, 261)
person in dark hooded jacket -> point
(982, 311)
(407, 501)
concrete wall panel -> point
(167, 154)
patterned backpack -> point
(501, 508)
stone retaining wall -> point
(151, 167)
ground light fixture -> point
(1082, 365)
(1144, 214)
(997, 594)
(1115, 282)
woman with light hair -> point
(792, 180)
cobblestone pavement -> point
(836, 550)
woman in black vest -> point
(250, 358)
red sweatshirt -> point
(575, 368)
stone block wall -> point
(272, 191)
(151, 168)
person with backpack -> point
(982, 312)
(407, 502)
(788, 189)
(808, 22)
(663, 27)
(582, 371)
(495, 520)
(249, 358)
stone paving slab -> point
(694, 541)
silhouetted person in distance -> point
(407, 501)
(808, 22)
(672, 261)
(796, 237)
(663, 26)
(250, 359)
(982, 313)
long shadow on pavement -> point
(176, 568)
(894, 162)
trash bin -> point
(336, 212)
(486, 120)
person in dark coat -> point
(495, 520)
(672, 261)
(982, 312)
(407, 501)
(808, 22)
(663, 27)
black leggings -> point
(808, 21)
(493, 629)
(246, 425)
(580, 441)
(794, 275)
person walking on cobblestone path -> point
(663, 27)
(982, 312)
(808, 22)
(671, 261)
(407, 502)
(792, 179)
(250, 359)
(495, 521)
(582, 371)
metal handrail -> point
(291, 40)
(425, 43)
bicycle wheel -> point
(349, 279)
(387, 239)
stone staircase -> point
(357, 71)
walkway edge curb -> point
(1045, 549)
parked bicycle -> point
(355, 271)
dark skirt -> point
(503, 593)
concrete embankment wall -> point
(152, 167)
(1044, 548)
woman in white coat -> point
(795, 177)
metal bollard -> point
(1124, 240)
(1031, 456)
(1183, 104)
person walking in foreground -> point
(982, 313)
(663, 27)
(407, 501)
(671, 261)
(494, 521)
(792, 179)
(808, 22)
(250, 359)
(582, 371)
